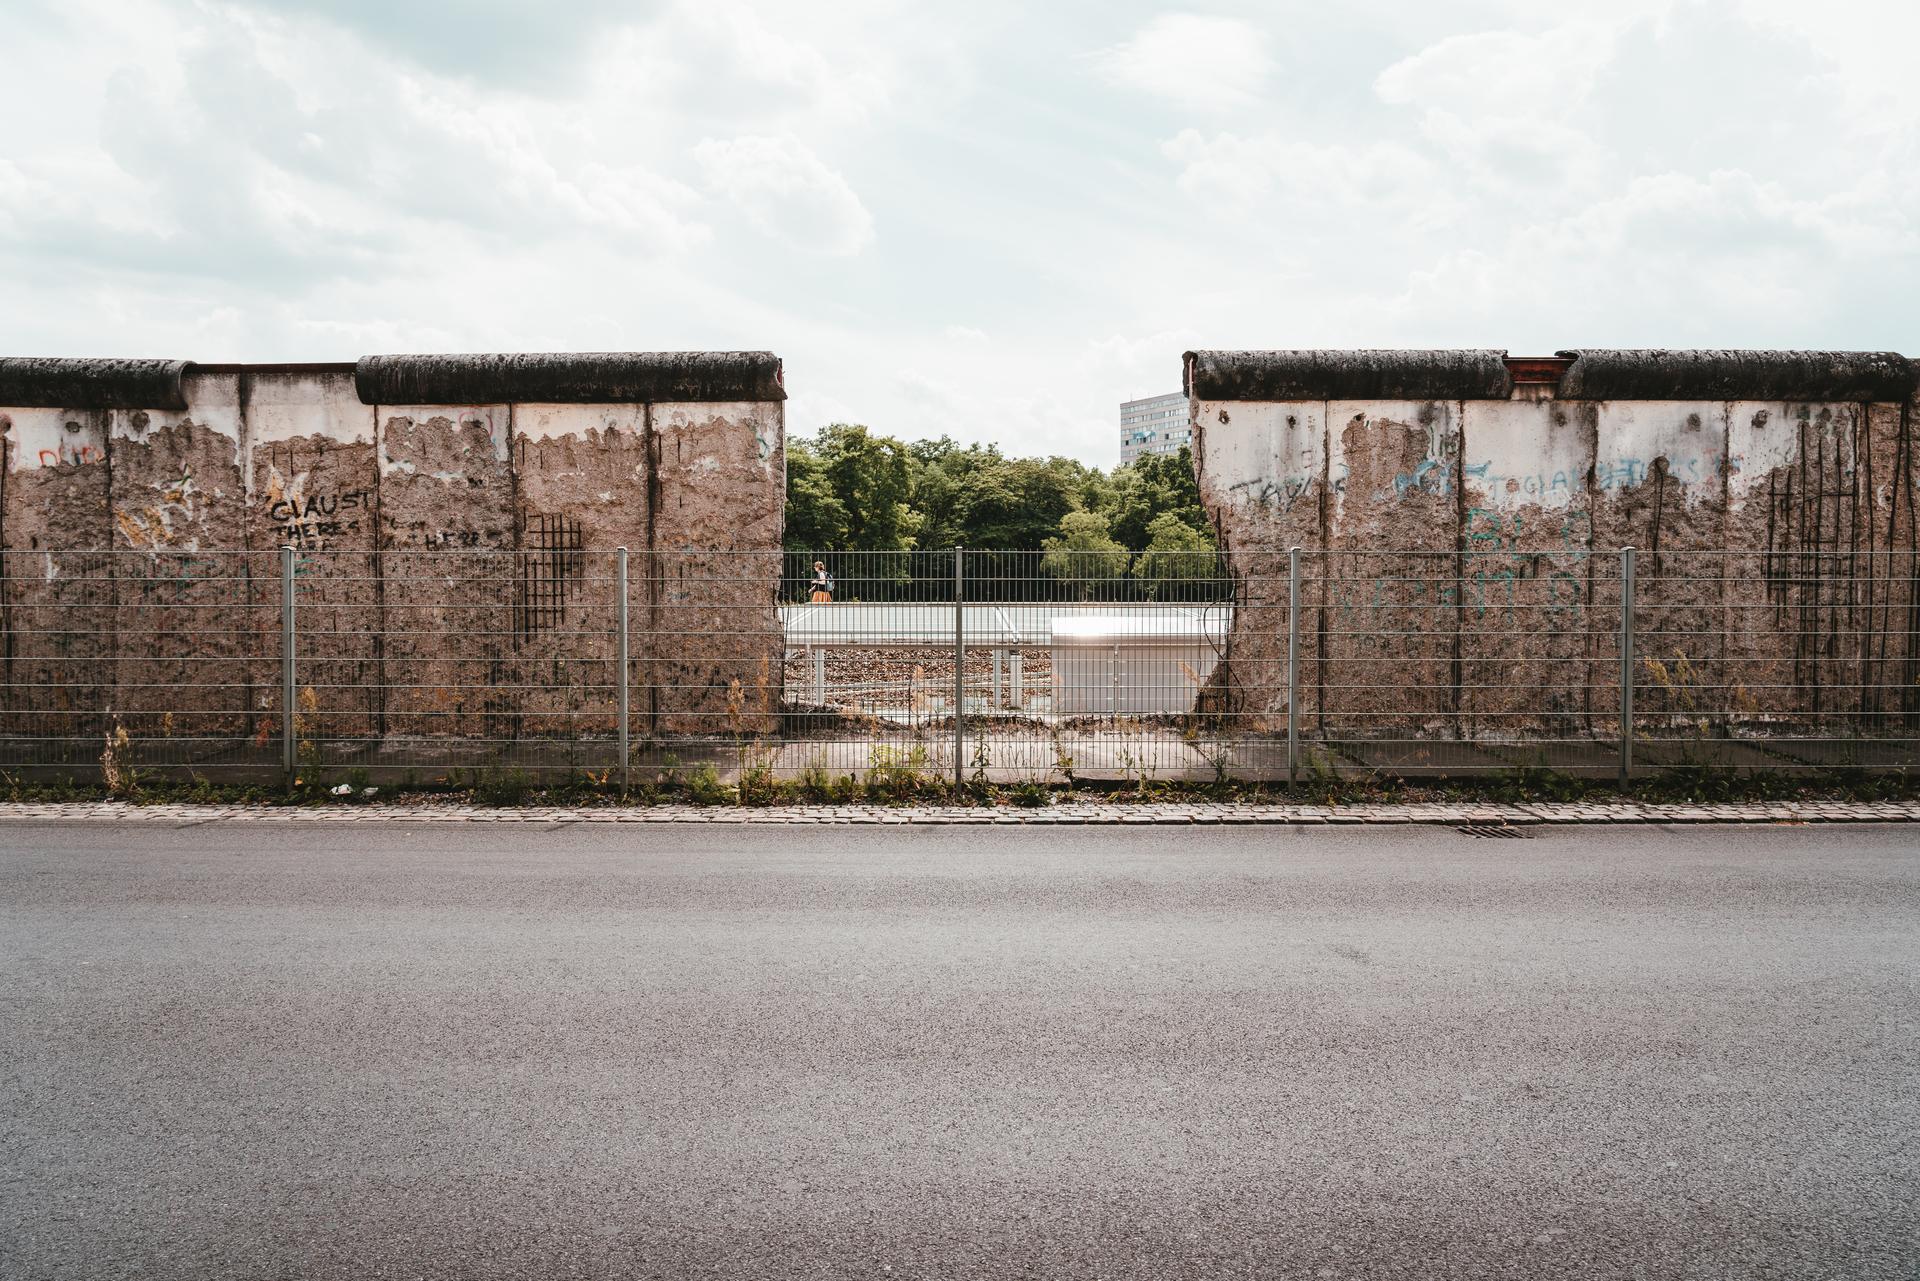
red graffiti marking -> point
(70, 454)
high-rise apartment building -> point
(1156, 425)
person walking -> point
(822, 583)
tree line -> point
(879, 507)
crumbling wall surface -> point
(1801, 583)
(314, 485)
(1792, 566)
(57, 590)
(454, 522)
(1660, 488)
(190, 645)
(1532, 642)
(1389, 627)
(448, 533)
(1896, 660)
(1355, 458)
(1263, 476)
(1769, 497)
(583, 477)
(712, 581)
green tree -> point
(1084, 552)
(872, 478)
(1176, 554)
(1150, 486)
(944, 475)
(1015, 504)
(816, 518)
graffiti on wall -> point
(306, 520)
(177, 513)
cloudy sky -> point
(993, 219)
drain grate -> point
(1494, 829)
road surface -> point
(253, 1049)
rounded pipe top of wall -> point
(50, 382)
(1359, 374)
(1586, 373)
(1730, 374)
(606, 377)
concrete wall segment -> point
(56, 573)
(1262, 469)
(1390, 603)
(190, 668)
(313, 478)
(533, 495)
(449, 529)
(718, 506)
(583, 478)
(177, 477)
(1770, 525)
(1532, 641)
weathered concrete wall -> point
(1390, 616)
(1528, 651)
(1767, 495)
(583, 477)
(447, 539)
(1659, 487)
(455, 521)
(1268, 461)
(1896, 492)
(314, 485)
(186, 644)
(713, 580)
(57, 533)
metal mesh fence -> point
(1054, 666)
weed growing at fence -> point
(503, 787)
(899, 774)
(1030, 795)
(1531, 783)
(758, 783)
(116, 771)
(705, 788)
(1681, 684)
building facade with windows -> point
(1156, 425)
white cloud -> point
(1501, 73)
(1499, 102)
(1237, 171)
(787, 191)
(1038, 421)
(1676, 259)
(295, 179)
(1208, 64)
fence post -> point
(626, 764)
(959, 669)
(1293, 664)
(289, 750)
(1626, 665)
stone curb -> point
(1071, 814)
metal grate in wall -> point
(550, 559)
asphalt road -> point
(275, 1050)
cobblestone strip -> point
(1073, 813)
